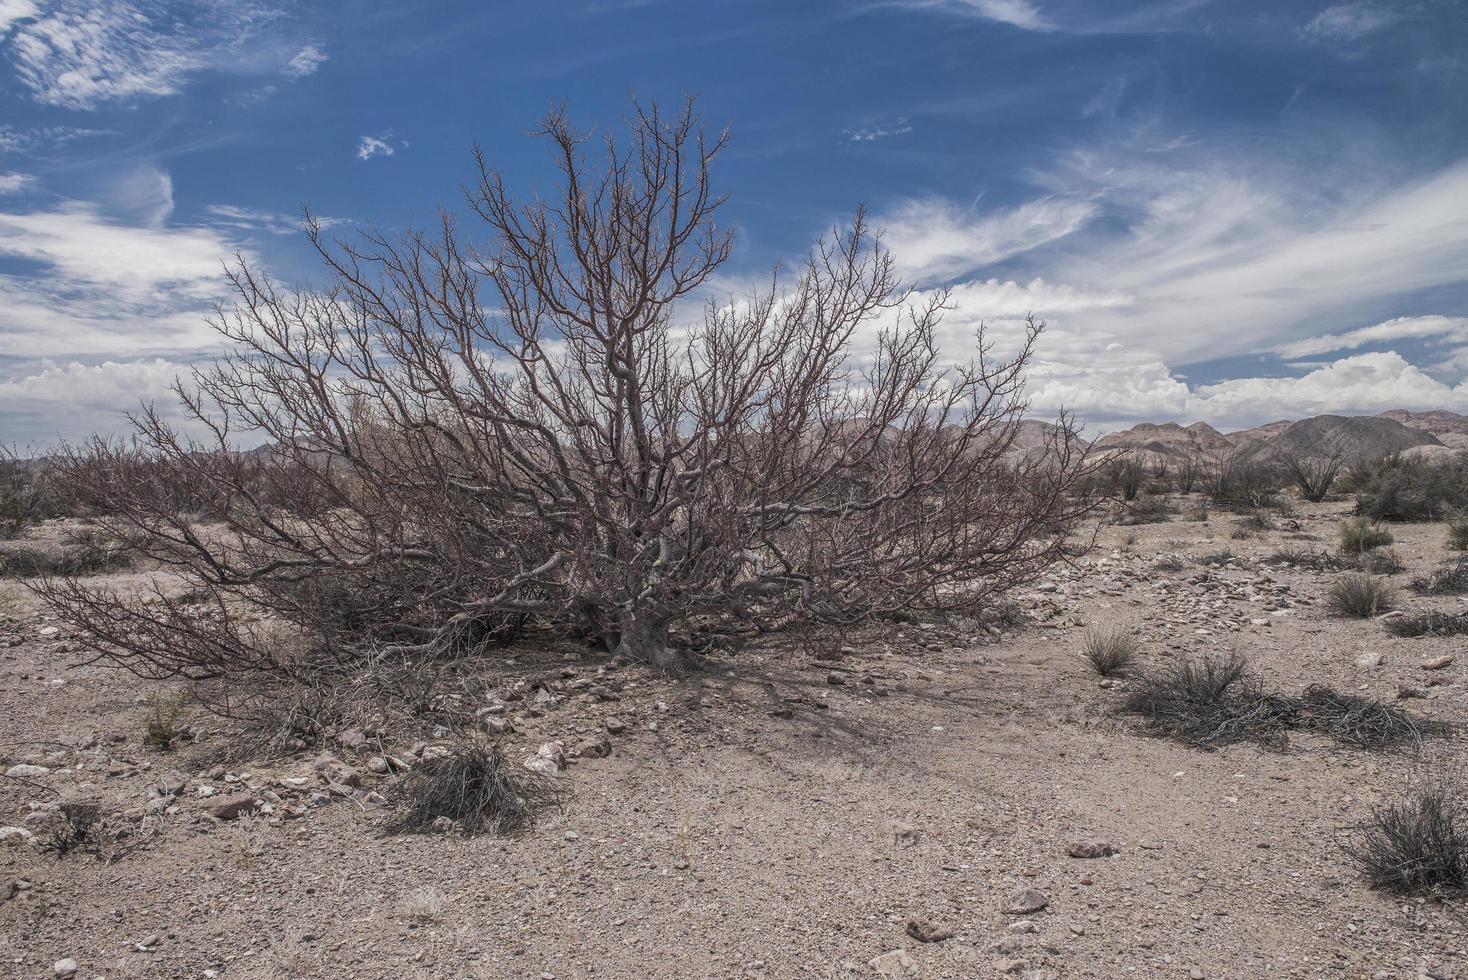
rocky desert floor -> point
(774, 816)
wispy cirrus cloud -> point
(935, 240)
(306, 61)
(870, 134)
(1017, 13)
(382, 145)
(1348, 22)
(1444, 329)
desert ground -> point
(775, 817)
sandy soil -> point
(759, 821)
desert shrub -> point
(1311, 558)
(1209, 702)
(78, 829)
(1147, 509)
(1199, 511)
(1170, 563)
(1398, 489)
(1243, 483)
(1361, 595)
(1190, 472)
(1380, 561)
(1313, 475)
(1450, 579)
(1360, 722)
(1377, 562)
(1429, 623)
(1417, 846)
(163, 727)
(1110, 651)
(1358, 535)
(1458, 534)
(1218, 558)
(618, 475)
(1215, 700)
(476, 788)
(1127, 473)
(87, 555)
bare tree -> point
(529, 429)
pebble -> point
(25, 771)
(1026, 902)
(65, 968)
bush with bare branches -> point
(525, 428)
(1313, 475)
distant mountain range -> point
(1426, 434)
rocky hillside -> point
(1423, 433)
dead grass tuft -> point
(1417, 846)
(478, 789)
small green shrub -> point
(1361, 595)
(1396, 489)
(163, 728)
(1358, 535)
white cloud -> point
(103, 289)
(882, 131)
(1017, 13)
(375, 146)
(306, 61)
(72, 401)
(14, 10)
(79, 55)
(932, 240)
(1348, 22)
(15, 183)
(261, 219)
(1447, 328)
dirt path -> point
(736, 842)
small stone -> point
(897, 963)
(64, 968)
(378, 764)
(1009, 966)
(595, 748)
(495, 725)
(835, 679)
(1092, 849)
(1023, 926)
(233, 807)
(1368, 660)
(926, 931)
(24, 771)
(615, 725)
(1438, 663)
(903, 834)
(333, 770)
(1026, 902)
(542, 765)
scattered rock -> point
(64, 968)
(24, 771)
(1022, 926)
(1438, 663)
(495, 725)
(903, 834)
(333, 770)
(897, 963)
(1009, 966)
(1092, 849)
(1027, 901)
(594, 748)
(171, 783)
(1366, 660)
(926, 931)
(615, 725)
(15, 836)
(233, 807)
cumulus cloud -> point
(15, 183)
(71, 401)
(934, 240)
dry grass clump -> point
(86, 555)
(478, 789)
(1219, 558)
(1170, 563)
(1147, 509)
(1450, 579)
(1429, 623)
(1359, 534)
(1361, 595)
(1209, 702)
(423, 905)
(1377, 562)
(1416, 846)
(1213, 701)
(1110, 652)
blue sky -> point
(1225, 210)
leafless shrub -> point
(1360, 595)
(1458, 534)
(1450, 579)
(477, 789)
(1109, 652)
(1429, 623)
(1170, 563)
(1147, 509)
(1191, 471)
(1313, 475)
(521, 429)
(1218, 558)
(78, 830)
(1360, 722)
(1243, 483)
(1127, 472)
(1417, 846)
